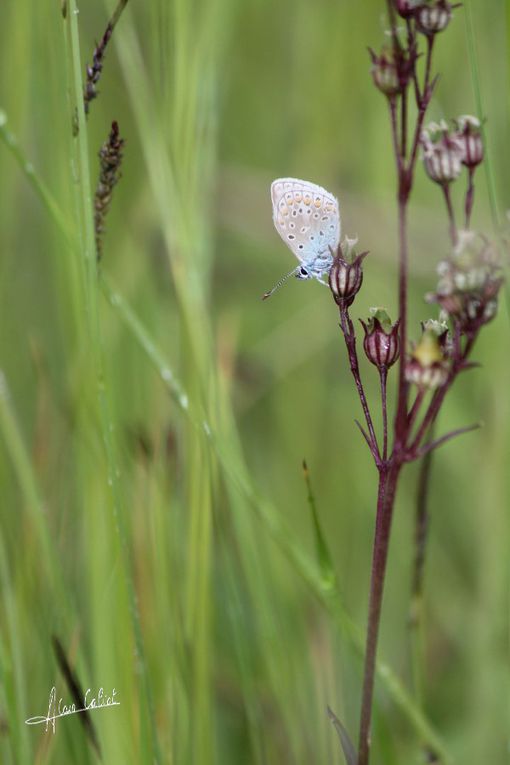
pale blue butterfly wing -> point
(307, 218)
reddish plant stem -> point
(432, 445)
(424, 101)
(470, 198)
(401, 415)
(394, 134)
(403, 127)
(431, 413)
(415, 409)
(388, 479)
(350, 342)
(411, 43)
(383, 374)
(389, 469)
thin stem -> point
(451, 214)
(431, 445)
(350, 342)
(392, 17)
(403, 126)
(415, 409)
(470, 198)
(424, 101)
(431, 414)
(383, 374)
(401, 416)
(385, 503)
(366, 437)
(411, 44)
(394, 134)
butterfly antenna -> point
(277, 286)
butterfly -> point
(308, 220)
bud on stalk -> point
(346, 278)
(381, 342)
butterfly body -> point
(307, 218)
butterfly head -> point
(303, 273)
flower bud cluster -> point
(469, 282)
(382, 342)
(445, 149)
(346, 273)
(431, 16)
(428, 366)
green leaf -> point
(348, 749)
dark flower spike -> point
(94, 70)
(110, 161)
(381, 342)
(346, 275)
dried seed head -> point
(433, 16)
(427, 367)
(392, 69)
(470, 136)
(346, 273)
(381, 342)
(469, 282)
(442, 153)
(385, 73)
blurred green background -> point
(175, 561)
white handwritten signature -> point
(56, 708)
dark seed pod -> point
(381, 342)
(346, 278)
